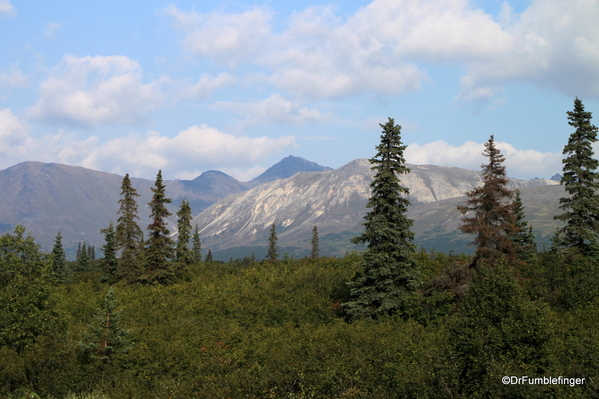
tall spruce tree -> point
(390, 271)
(492, 218)
(182, 252)
(159, 246)
(129, 235)
(83, 263)
(59, 261)
(523, 240)
(196, 246)
(581, 181)
(110, 261)
(315, 243)
(273, 252)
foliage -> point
(492, 220)
(196, 246)
(273, 254)
(105, 339)
(183, 254)
(315, 244)
(523, 240)
(129, 235)
(110, 261)
(499, 332)
(26, 277)
(159, 247)
(59, 262)
(581, 181)
(389, 268)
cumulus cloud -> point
(552, 44)
(14, 136)
(191, 151)
(381, 46)
(92, 91)
(275, 109)
(13, 79)
(6, 8)
(206, 85)
(519, 163)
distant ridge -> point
(285, 168)
(48, 197)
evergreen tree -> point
(390, 271)
(196, 246)
(159, 247)
(104, 338)
(91, 252)
(83, 262)
(581, 181)
(78, 252)
(182, 252)
(59, 261)
(129, 236)
(315, 243)
(523, 240)
(110, 261)
(209, 256)
(273, 252)
(492, 221)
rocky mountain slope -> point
(80, 202)
(335, 201)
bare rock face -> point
(335, 201)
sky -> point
(189, 86)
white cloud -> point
(91, 91)
(206, 85)
(190, 152)
(6, 8)
(229, 38)
(275, 109)
(13, 79)
(51, 28)
(519, 163)
(14, 136)
(195, 148)
(553, 44)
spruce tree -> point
(182, 252)
(129, 235)
(523, 240)
(159, 246)
(390, 271)
(315, 243)
(105, 338)
(196, 246)
(581, 181)
(83, 262)
(209, 256)
(492, 217)
(59, 261)
(273, 252)
(110, 261)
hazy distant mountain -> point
(285, 168)
(335, 201)
(80, 202)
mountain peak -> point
(287, 167)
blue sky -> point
(189, 86)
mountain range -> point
(234, 217)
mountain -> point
(80, 202)
(335, 201)
(285, 168)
